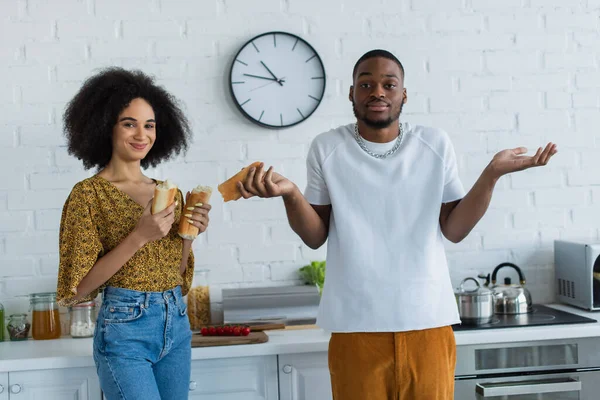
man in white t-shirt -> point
(385, 193)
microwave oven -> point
(577, 272)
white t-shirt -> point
(386, 263)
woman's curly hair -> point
(91, 115)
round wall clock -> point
(277, 80)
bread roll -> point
(200, 194)
(164, 196)
(229, 189)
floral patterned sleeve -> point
(79, 246)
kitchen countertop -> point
(69, 353)
(524, 334)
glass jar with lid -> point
(18, 327)
(45, 316)
(198, 300)
(83, 319)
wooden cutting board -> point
(204, 341)
(299, 327)
(258, 327)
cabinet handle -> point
(193, 386)
(542, 386)
(1, 389)
(287, 369)
(16, 388)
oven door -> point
(563, 386)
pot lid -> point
(477, 291)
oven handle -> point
(546, 386)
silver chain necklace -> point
(363, 145)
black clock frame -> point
(241, 109)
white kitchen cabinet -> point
(304, 377)
(3, 385)
(55, 384)
(248, 378)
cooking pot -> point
(475, 306)
(510, 298)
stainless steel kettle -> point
(509, 298)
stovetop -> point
(541, 315)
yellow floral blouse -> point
(96, 217)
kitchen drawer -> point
(563, 386)
(54, 384)
(235, 378)
(3, 385)
(304, 377)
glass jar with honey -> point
(45, 316)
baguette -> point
(164, 196)
(200, 194)
(229, 189)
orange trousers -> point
(413, 365)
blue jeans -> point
(142, 345)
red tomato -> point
(237, 331)
(219, 331)
(245, 331)
(212, 331)
(204, 331)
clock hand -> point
(272, 74)
(261, 77)
(266, 84)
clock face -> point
(277, 80)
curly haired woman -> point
(120, 122)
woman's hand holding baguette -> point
(197, 214)
(265, 184)
(152, 227)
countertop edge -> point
(37, 355)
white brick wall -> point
(493, 74)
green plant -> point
(314, 274)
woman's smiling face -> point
(135, 131)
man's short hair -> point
(377, 53)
